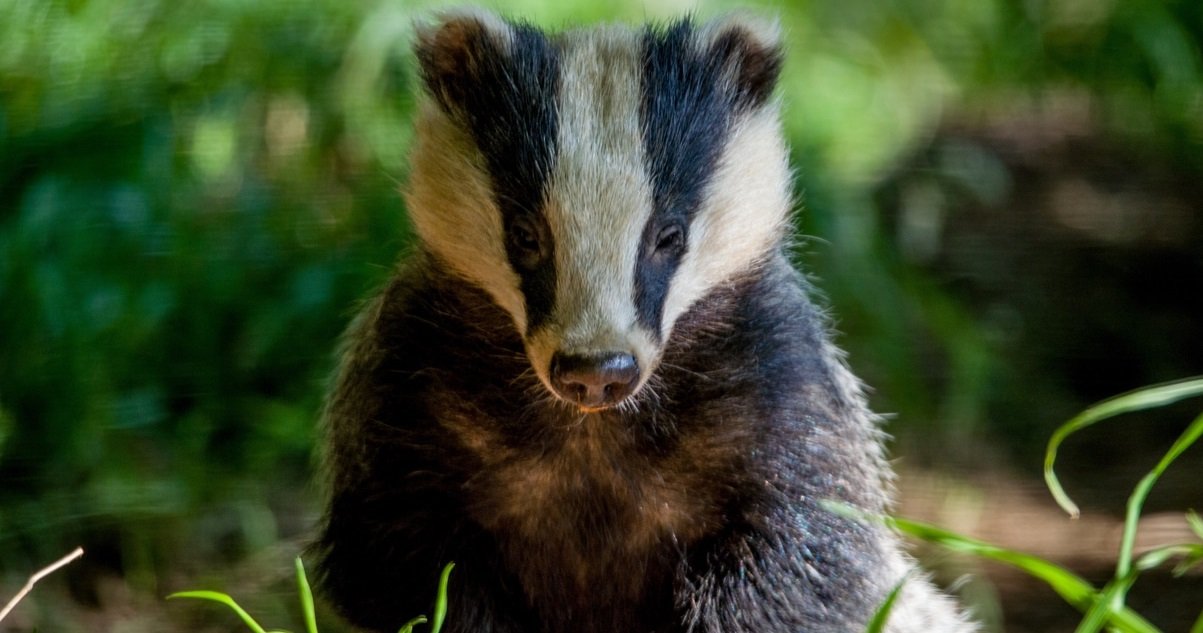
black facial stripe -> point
(507, 99)
(686, 117)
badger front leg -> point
(823, 574)
(796, 569)
(381, 569)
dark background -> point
(1002, 202)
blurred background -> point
(1001, 198)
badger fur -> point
(597, 384)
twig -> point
(46, 571)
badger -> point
(596, 383)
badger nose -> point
(595, 380)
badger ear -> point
(455, 49)
(748, 49)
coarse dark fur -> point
(755, 463)
(703, 506)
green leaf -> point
(882, 615)
(1136, 501)
(1109, 600)
(1195, 522)
(1146, 398)
(440, 601)
(1071, 587)
(409, 626)
(215, 596)
(1158, 556)
(306, 598)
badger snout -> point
(594, 380)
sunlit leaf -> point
(1146, 398)
(1071, 587)
(880, 617)
(1195, 522)
(408, 627)
(440, 601)
(216, 596)
(1157, 557)
(306, 598)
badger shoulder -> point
(424, 331)
(395, 502)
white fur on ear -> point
(763, 29)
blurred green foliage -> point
(193, 196)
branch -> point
(46, 571)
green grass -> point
(877, 624)
(1103, 607)
(310, 613)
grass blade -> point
(1113, 595)
(1071, 587)
(440, 601)
(1136, 501)
(1107, 602)
(1157, 557)
(1133, 401)
(1195, 522)
(306, 598)
(223, 599)
(409, 626)
(878, 623)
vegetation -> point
(1100, 607)
(307, 606)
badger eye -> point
(670, 240)
(524, 240)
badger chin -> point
(598, 409)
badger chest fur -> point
(597, 384)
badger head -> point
(598, 183)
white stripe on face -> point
(742, 216)
(599, 200)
